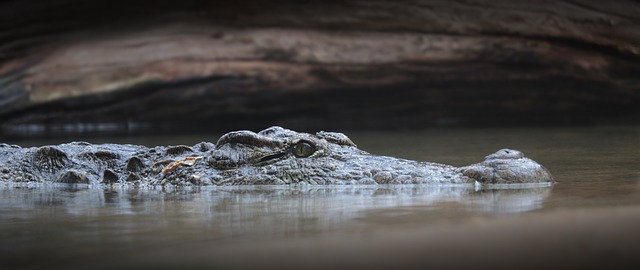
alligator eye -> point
(303, 149)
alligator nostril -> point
(505, 154)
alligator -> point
(274, 156)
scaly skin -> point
(272, 156)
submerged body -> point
(272, 156)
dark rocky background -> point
(69, 66)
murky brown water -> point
(589, 218)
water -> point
(589, 218)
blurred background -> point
(70, 67)
(558, 80)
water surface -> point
(590, 215)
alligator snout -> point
(507, 166)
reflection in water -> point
(250, 210)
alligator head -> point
(281, 156)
